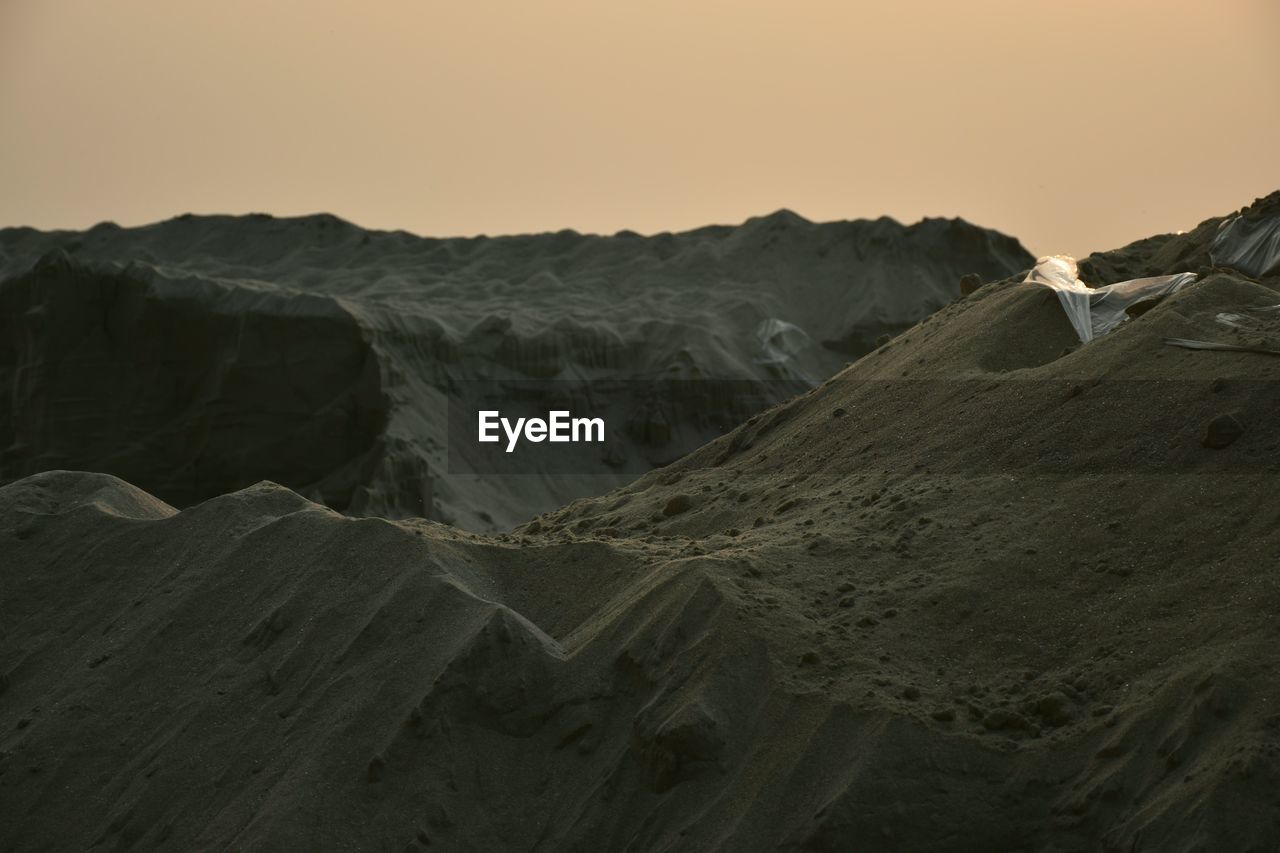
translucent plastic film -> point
(1264, 320)
(1094, 311)
(1249, 245)
(780, 340)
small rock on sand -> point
(678, 504)
(1222, 431)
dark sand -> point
(200, 355)
(985, 590)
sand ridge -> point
(985, 589)
(201, 354)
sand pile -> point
(203, 354)
(986, 589)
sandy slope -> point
(200, 355)
(984, 590)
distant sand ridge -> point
(203, 354)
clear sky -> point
(1074, 125)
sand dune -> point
(986, 589)
(200, 355)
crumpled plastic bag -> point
(1250, 245)
(1094, 311)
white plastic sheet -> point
(780, 341)
(785, 347)
(1094, 311)
(1248, 319)
(1249, 245)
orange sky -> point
(1072, 125)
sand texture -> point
(200, 355)
(986, 589)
